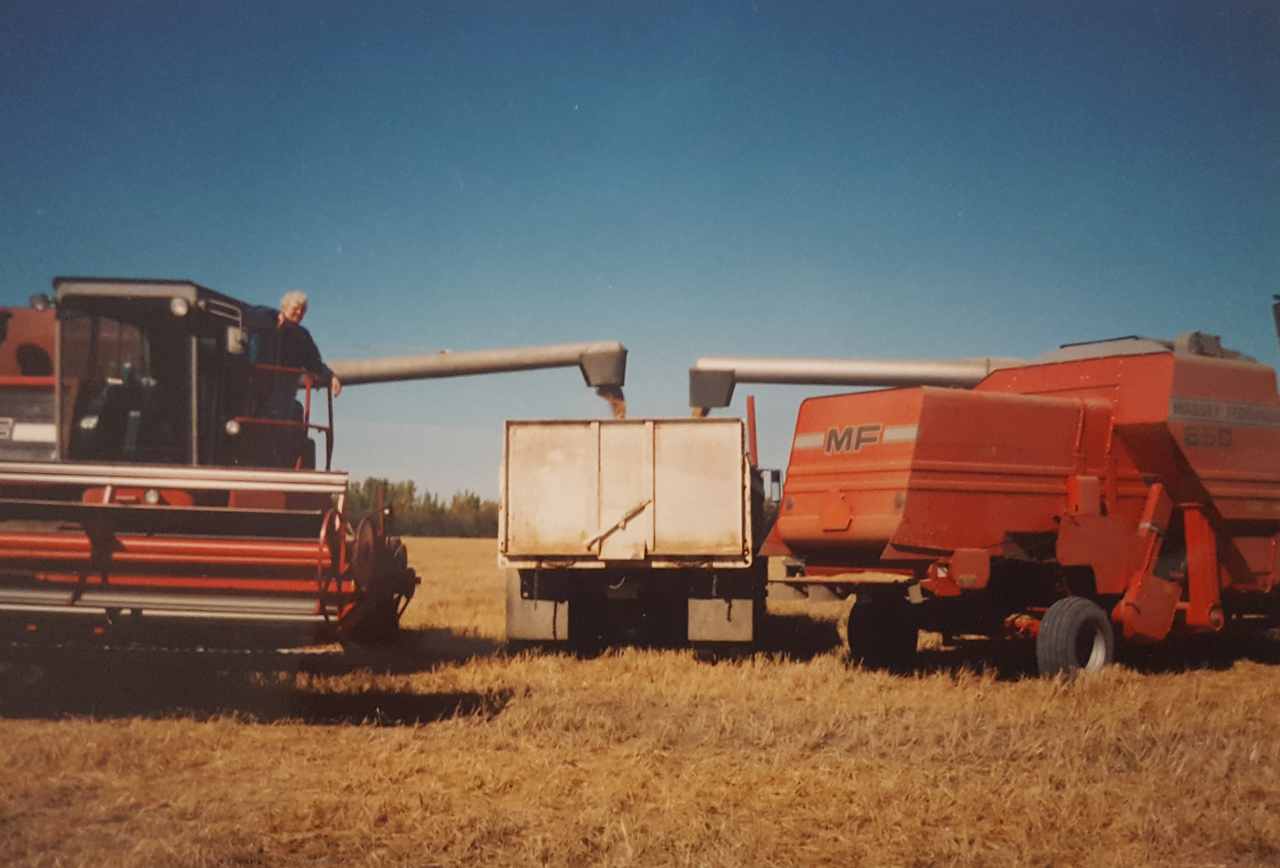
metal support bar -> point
(174, 476)
(1204, 577)
(1146, 612)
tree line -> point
(426, 514)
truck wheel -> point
(882, 633)
(1075, 635)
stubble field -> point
(467, 756)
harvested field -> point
(636, 757)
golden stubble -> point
(643, 757)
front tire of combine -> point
(882, 632)
(384, 583)
(1075, 636)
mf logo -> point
(851, 438)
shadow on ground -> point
(159, 683)
(798, 636)
(415, 650)
(1010, 660)
(75, 680)
(783, 636)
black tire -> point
(1075, 636)
(882, 632)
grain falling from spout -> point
(617, 403)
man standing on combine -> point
(295, 347)
(289, 346)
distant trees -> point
(425, 514)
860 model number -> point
(1206, 435)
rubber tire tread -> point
(1059, 629)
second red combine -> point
(1125, 487)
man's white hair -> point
(293, 297)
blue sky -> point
(899, 179)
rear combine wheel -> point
(1075, 636)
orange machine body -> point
(27, 342)
(1150, 478)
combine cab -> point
(142, 478)
(1124, 487)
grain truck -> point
(631, 530)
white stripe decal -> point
(900, 434)
(809, 441)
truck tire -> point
(1075, 636)
(882, 634)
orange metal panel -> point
(1150, 603)
(65, 548)
(926, 468)
(1204, 575)
(1203, 423)
(27, 327)
(301, 585)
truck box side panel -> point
(698, 489)
(625, 526)
(552, 505)
(625, 490)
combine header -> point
(134, 477)
(1129, 486)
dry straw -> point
(637, 757)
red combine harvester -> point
(1130, 485)
(137, 489)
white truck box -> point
(664, 504)
(666, 491)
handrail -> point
(31, 381)
(306, 424)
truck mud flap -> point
(534, 620)
(720, 620)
